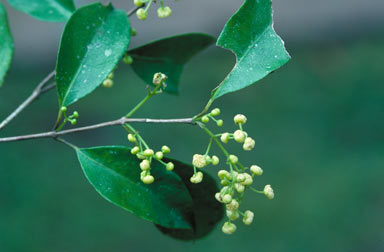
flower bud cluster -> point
(72, 118)
(108, 82)
(200, 161)
(215, 112)
(239, 135)
(142, 13)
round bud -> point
(223, 174)
(110, 75)
(215, 160)
(233, 159)
(220, 123)
(240, 119)
(148, 179)
(239, 136)
(141, 14)
(131, 138)
(75, 114)
(170, 166)
(233, 215)
(133, 32)
(140, 156)
(159, 155)
(165, 149)
(227, 198)
(73, 121)
(197, 178)
(128, 59)
(143, 174)
(224, 137)
(239, 188)
(145, 165)
(199, 161)
(135, 150)
(248, 180)
(268, 191)
(164, 12)
(256, 170)
(218, 197)
(205, 119)
(240, 178)
(159, 78)
(224, 182)
(249, 144)
(149, 153)
(138, 3)
(63, 109)
(228, 228)
(108, 83)
(233, 205)
(248, 217)
(215, 112)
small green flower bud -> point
(219, 197)
(138, 3)
(220, 123)
(249, 144)
(131, 138)
(233, 205)
(140, 156)
(240, 178)
(239, 188)
(224, 137)
(133, 32)
(111, 75)
(75, 114)
(228, 228)
(164, 12)
(224, 174)
(256, 170)
(128, 59)
(159, 78)
(227, 198)
(135, 150)
(199, 161)
(233, 159)
(141, 14)
(197, 178)
(240, 119)
(248, 180)
(143, 174)
(215, 160)
(73, 121)
(233, 215)
(224, 182)
(170, 166)
(63, 109)
(149, 153)
(108, 83)
(159, 155)
(248, 217)
(268, 191)
(165, 149)
(149, 179)
(215, 112)
(145, 165)
(239, 136)
(205, 119)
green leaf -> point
(207, 211)
(6, 44)
(94, 40)
(115, 173)
(168, 55)
(259, 50)
(45, 10)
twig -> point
(121, 121)
(35, 94)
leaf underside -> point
(168, 55)
(94, 40)
(249, 34)
(6, 44)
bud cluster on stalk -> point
(142, 13)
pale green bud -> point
(159, 155)
(111, 75)
(148, 153)
(228, 228)
(239, 188)
(164, 12)
(223, 174)
(233, 215)
(138, 3)
(128, 59)
(224, 137)
(140, 156)
(249, 144)
(233, 205)
(240, 119)
(233, 159)
(131, 138)
(248, 217)
(170, 166)
(248, 180)
(256, 170)
(220, 123)
(239, 136)
(73, 121)
(165, 149)
(149, 179)
(219, 197)
(215, 160)
(199, 161)
(141, 14)
(197, 178)
(145, 165)
(205, 119)
(75, 114)
(135, 150)
(159, 78)
(227, 198)
(108, 83)
(215, 112)
(63, 109)
(268, 191)
(241, 177)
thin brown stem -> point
(35, 94)
(121, 121)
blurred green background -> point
(318, 125)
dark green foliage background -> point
(318, 125)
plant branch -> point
(121, 121)
(35, 94)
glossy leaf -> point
(94, 40)
(259, 50)
(46, 10)
(6, 44)
(115, 173)
(207, 211)
(168, 55)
